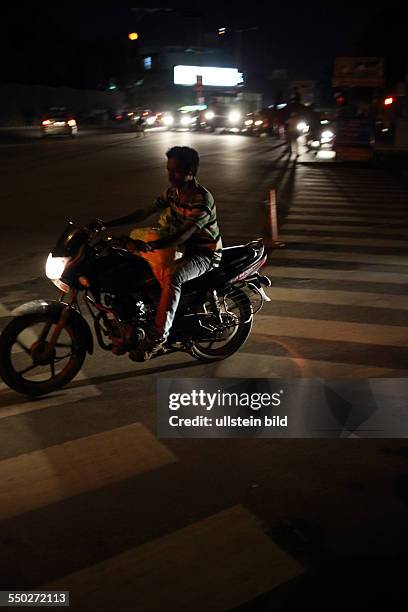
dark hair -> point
(187, 158)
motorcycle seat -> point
(235, 256)
(234, 260)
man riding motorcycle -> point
(191, 222)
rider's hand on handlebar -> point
(137, 245)
(97, 225)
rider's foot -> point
(152, 347)
(149, 348)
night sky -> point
(81, 46)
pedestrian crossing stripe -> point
(336, 331)
(250, 362)
(341, 275)
(348, 256)
(13, 404)
(42, 477)
(346, 241)
(310, 206)
(217, 564)
(337, 228)
(346, 217)
(338, 298)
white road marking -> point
(336, 331)
(49, 475)
(214, 564)
(338, 298)
(396, 260)
(341, 275)
(346, 241)
(334, 228)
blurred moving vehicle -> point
(59, 122)
(182, 119)
(130, 119)
(321, 135)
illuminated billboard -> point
(212, 76)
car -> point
(59, 121)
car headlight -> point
(327, 134)
(209, 115)
(150, 120)
(168, 119)
(315, 143)
(302, 127)
(249, 122)
(55, 266)
(186, 120)
(234, 117)
(259, 122)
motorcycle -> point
(44, 346)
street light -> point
(133, 36)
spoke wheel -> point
(230, 334)
(28, 362)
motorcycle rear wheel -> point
(22, 340)
(239, 304)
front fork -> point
(64, 316)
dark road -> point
(93, 502)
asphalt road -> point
(91, 500)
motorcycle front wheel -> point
(29, 365)
(236, 311)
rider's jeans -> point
(188, 268)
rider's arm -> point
(141, 214)
(175, 239)
(200, 216)
(135, 217)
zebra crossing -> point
(84, 504)
(340, 284)
(101, 481)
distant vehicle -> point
(183, 120)
(207, 120)
(129, 119)
(321, 137)
(255, 124)
(59, 122)
(232, 121)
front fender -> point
(54, 309)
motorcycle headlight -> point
(55, 267)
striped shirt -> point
(197, 206)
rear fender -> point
(54, 310)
